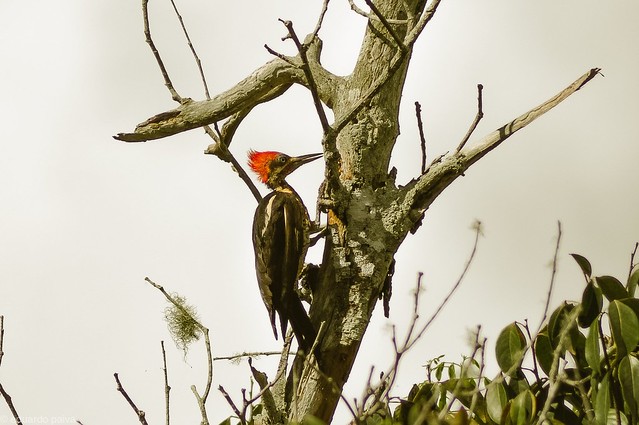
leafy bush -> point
(582, 368)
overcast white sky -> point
(84, 218)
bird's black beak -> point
(297, 161)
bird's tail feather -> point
(302, 327)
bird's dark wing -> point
(280, 240)
(278, 243)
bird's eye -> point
(281, 159)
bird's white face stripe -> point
(267, 214)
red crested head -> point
(272, 167)
(260, 163)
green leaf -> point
(633, 280)
(586, 268)
(557, 322)
(439, 370)
(611, 287)
(591, 303)
(523, 408)
(625, 327)
(544, 352)
(602, 402)
(496, 399)
(451, 372)
(629, 379)
(593, 352)
(633, 303)
(509, 348)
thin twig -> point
(138, 412)
(320, 20)
(207, 342)
(264, 389)
(167, 388)
(478, 117)
(221, 150)
(535, 369)
(632, 266)
(386, 24)
(462, 375)
(197, 58)
(360, 12)
(268, 400)
(147, 34)
(1, 338)
(614, 390)
(225, 154)
(554, 377)
(552, 277)
(482, 365)
(422, 139)
(478, 233)
(5, 395)
(411, 338)
(249, 354)
(395, 63)
(229, 400)
(7, 399)
(583, 394)
(309, 76)
(280, 55)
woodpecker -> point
(281, 229)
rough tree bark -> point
(369, 215)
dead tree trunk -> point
(369, 215)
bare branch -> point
(320, 20)
(309, 76)
(5, 395)
(207, 342)
(1, 338)
(201, 402)
(279, 386)
(424, 19)
(221, 151)
(147, 34)
(229, 400)
(269, 398)
(411, 337)
(7, 399)
(140, 413)
(395, 63)
(195, 55)
(478, 117)
(251, 354)
(632, 266)
(411, 340)
(552, 277)
(495, 138)
(167, 388)
(386, 24)
(244, 95)
(279, 55)
(420, 193)
(370, 16)
(422, 139)
(268, 401)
